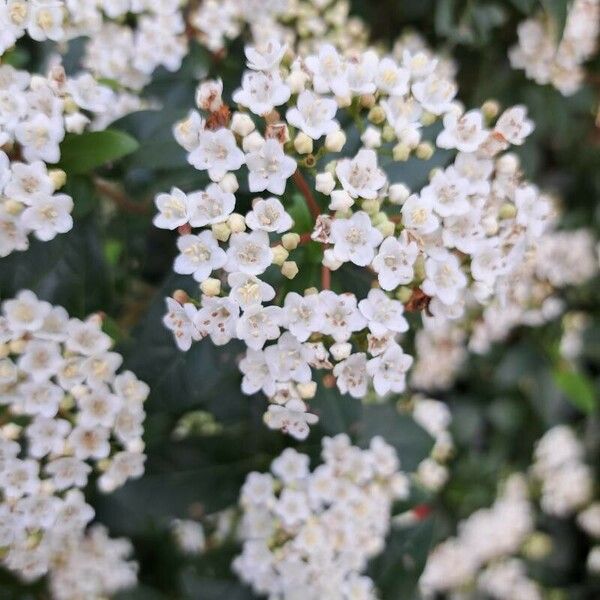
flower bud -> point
(17, 346)
(389, 133)
(289, 269)
(229, 183)
(376, 115)
(344, 101)
(401, 152)
(253, 142)
(386, 228)
(280, 255)
(242, 124)
(297, 80)
(12, 207)
(398, 193)
(424, 151)
(236, 222)
(325, 183)
(308, 390)
(490, 109)
(76, 122)
(221, 231)
(211, 287)
(330, 261)
(181, 296)
(367, 100)
(341, 350)
(58, 178)
(208, 95)
(508, 163)
(404, 294)
(340, 200)
(303, 144)
(290, 241)
(428, 118)
(371, 137)
(371, 207)
(335, 141)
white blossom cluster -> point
(297, 22)
(454, 241)
(124, 53)
(487, 553)
(480, 556)
(36, 112)
(310, 534)
(559, 62)
(526, 296)
(67, 413)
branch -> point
(303, 187)
(120, 198)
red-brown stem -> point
(325, 278)
(315, 209)
(120, 198)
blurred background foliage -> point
(116, 262)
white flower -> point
(265, 57)
(47, 216)
(314, 115)
(217, 318)
(418, 215)
(257, 373)
(389, 369)
(382, 313)
(208, 95)
(341, 315)
(355, 239)
(465, 133)
(302, 315)
(199, 255)
(291, 466)
(269, 168)
(292, 507)
(269, 215)
(247, 290)
(179, 320)
(40, 137)
(359, 77)
(217, 152)
(394, 261)
(533, 211)
(67, 472)
(173, 210)
(292, 418)
(514, 126)
(45, 20)
(327, 68)
(448, 193)
(42, 359)
(47, 436)
(25, 313)
(261, 92)
(391, 78)
(249, 253)
(89, 442)
(213, 205)
(435, 93)
(351, 375)
(259, 324)
(360, 176)
(288, 359)
(444, 278)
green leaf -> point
(578, 388)
(88, 151)
(444, 17)
(525, 6)
(559, 11)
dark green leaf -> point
(578, 389)
(88, 151)
(559, 11)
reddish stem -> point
(315, 209)
(422, 511)
(325, 278)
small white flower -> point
(418, 215)
(314, 115)
(173, 210)
(341, 315)
(40, 137)
(213, 205)
(261, 92)
(179, 320)
(391, 78)
(247, 290)
(444, 278)
(199, 255)
(382, 313)
(351, 375)
(266, 56)
(389, 370)
(302, 315)
(292, 418)
(355, 239)
(514, 126)
(435, 93)
(394, 261)
(269, 215)
(361, 177)
(47, 216)
(217, 152)
(259, 324)
(448, 193)
(269, 168)
(217, 318)
(249, 253)
(465, 133)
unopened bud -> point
(340, 200)
(424, 151)
(253, 142)
(308, 390)
(242, 124)
(401, 152)
(341, 350)
(17, 346)
(221, 231)
(335, 141)
(371, 207)
(386, 228)
(236, 222)
(58, 178)
(280, 255)
(490, 109)
(376, 115)
(181, 296)
(371, 137)
(325, 183)
(367, 100)
(290, 241)
(12, 207)
(289, 269)
(211, 287)
(428, 118)
(303, 144)
(229, 183)
(388, 133)
(508, 211)
(398, 193)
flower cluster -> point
(487, 537)
(67, 413)
(310, 534)
(547, 59)
(298, 22)
(35, 114)
(452, 243)
(124, 53)
(487, 555)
